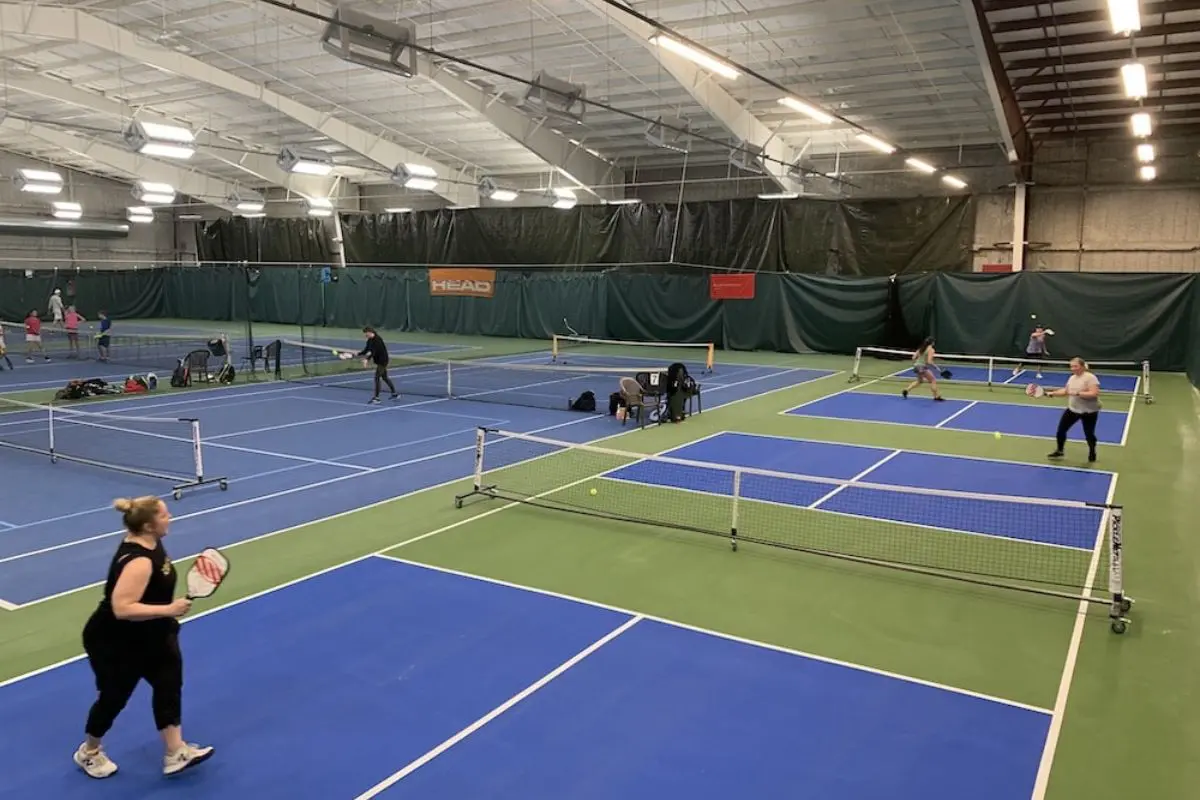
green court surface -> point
(1130, 726)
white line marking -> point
(1128, 419)
(7, 606)
(416, 764)
(958, 413)
(918, 425)
(923, 452)
(853, 388)
(718, 634)
(856, 478)
(1068, 674)
(4, 524)
(451, 482)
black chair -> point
(197, 366)
(635, 401)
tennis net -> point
(154, 447)
(1051, 547)
(534, 385)
(149, 351)
(883, 363)
(586, 349)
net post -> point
(197, 453)
(1119, 604)
(477, 474)
(554, 347)
(710, 357)
(857, 363)
(991, 366)
(50, 428)
(733, 522)
(450, 382)
(1146, 382)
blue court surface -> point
(293, 454)
(1068, 525)
(981, 416)
(962, 373)
(386, 679)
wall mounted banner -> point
(739, 286)
(462, 282)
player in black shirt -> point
(377, 350)
(133, 635)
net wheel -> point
(1118, 626)
(458, 502)
(734, 546)
(177, 494)
(1126, 604)
(224, 485)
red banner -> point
(738, 286)
(462, 282)
(995, 268)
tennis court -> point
(498, 646)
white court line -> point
(918, 425)
(444, 484)
(1129, 419)
(416, 764)
(4, 524)
(7, 606)
(924, 452)
(717, 634)
(404, 406)
(1068, 674)
(853, 388)
(856, 478)
(958, 413)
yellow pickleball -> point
(996, 435)
(592, 492)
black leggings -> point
(1068, 420)
(118, 666)
(381, 375)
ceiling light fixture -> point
(1148, 173)
(1145, 153)
(152, 193)
(695, 56)
(159, 140)
(39, 181)
(875, 143)
(1125, 16)
(415, 176)
(805, 108)
(1141, 125)
(1133, 78)
(921, 166)
(953, 182)
(292, 160)
(67, 210)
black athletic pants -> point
(1068, 420)
(381, 375)
(119, 665)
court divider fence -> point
(1102, 316)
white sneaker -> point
(187, 756)
(97, 764)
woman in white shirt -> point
(1083, 405)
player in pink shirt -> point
(71, 321)
(33, 337)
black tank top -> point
(160, 590)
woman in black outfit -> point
(133, 635)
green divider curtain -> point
(980, 313)
(124, 294)
(1193, 359)
(662, 308)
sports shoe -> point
(904, 393)
(96, 764)
(395, 395)
(1055, 454)
(187, 756)
(374, 401)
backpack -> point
(226, 373)
(585, 402)
(180, 377)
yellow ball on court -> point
(592, 492)
(996, 435)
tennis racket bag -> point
(585, 402)
(180, 377)
(226, 373)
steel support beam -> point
(71, 25)
(260, 167)
(189, 182)
(1017, 145)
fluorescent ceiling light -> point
(695, 56)
(140, 214)
(1141, 125)
(415, 176)
(397, 210)
(624, 201)
(1133, 77)
(291, 160)
(154, 193)
(805, 108)
(564, 199)
(320, 212)
(67, 210)
(877, 144)
(39, 181)
(1145, 153)
(957, 183)
(251, 206)
(504, 195)
(190, 217)
(259, 215)
(779, 196)
(162, 141)
(920, 165)
(1148, 172)
(1124, 15)
(319, 206)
